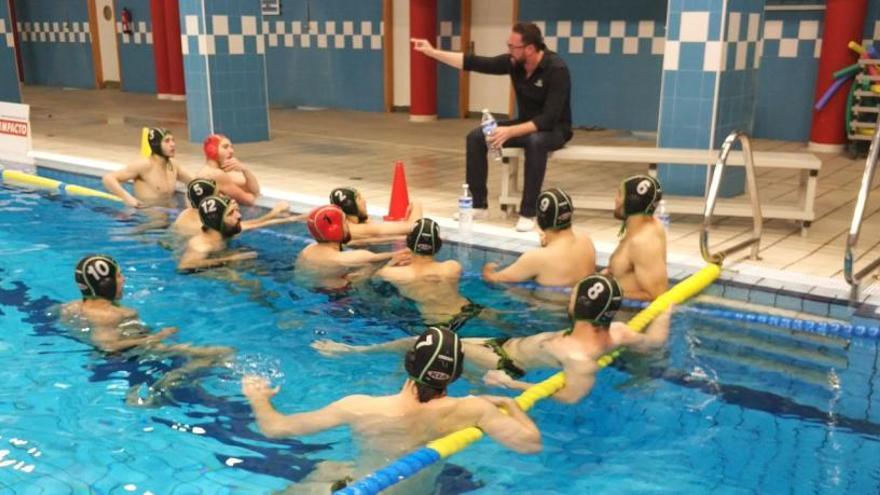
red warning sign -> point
(14, 127)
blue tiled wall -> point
(9, 90)
(326, 54)
(137, 65)
(56, 47)
(614, 50)
(448, 38)
(787, 77)
(225, 69)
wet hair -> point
(427, 394)
(531, 34)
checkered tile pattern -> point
(54, 32)
(776, 44)
(234, 43)
(449, 39)
(595, 37)
(140, 34)
(6, 33)
(364, 35)
(742, 44)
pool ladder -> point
(712, 195)
(854, 279)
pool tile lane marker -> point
(410, 464)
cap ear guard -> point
(212, 212)
(555, 210)
(155, 136)
(424, 238)
(95, 275)
(641, 193)
(211, 146)
(327, 224)
(345, 198)
(435, 359)
(597, 299)
(199, 189)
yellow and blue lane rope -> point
(18, 177)
(410, 464)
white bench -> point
(802, 211)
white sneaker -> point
(525, 224)
(476, 214)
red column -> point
(174, 51)
(844, 22)
(423, 69)
(160, 48)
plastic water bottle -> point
(465, 209)
(662, 214)
(489, 125)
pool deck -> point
(313, 151)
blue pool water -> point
(727, 409)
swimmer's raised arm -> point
(276, 425)
(113, 181)
(332, 348)
(228, 187)
(251, 184)
(525, 268)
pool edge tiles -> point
(818, 295)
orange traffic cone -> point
(399, 195)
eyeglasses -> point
(514, 47)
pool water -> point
(728, 408)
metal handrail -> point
(712, 195)
(854, 279)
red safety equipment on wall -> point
(126, 21)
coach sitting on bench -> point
(543, 95)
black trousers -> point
(536, 145)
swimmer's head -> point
(328, 224)
(218, 148)
(161, 142)
(199, 189)
(424, 238)
(595, 299)
(554, 210)
(220, 213)
(434, 362)
(638, 195)
(351, 201)
(98, 276)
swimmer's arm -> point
(273, 424)
(184, 175)
(250, 180)
(650, 270)
(515, 430)
(113, 182)
(654, 337)
(109, 339)
(579, 381)
(369, 229)
(376, 240)
(234, 191)
(259, 223)
(523, 269)
(360, 257)
(194, 259)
